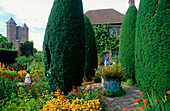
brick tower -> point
(17, 34)
(11, 30)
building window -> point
(114, 31)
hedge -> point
(7, 55)
(152, 46)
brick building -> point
(16, 34)
(111, 17)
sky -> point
(35, 14)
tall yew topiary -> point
(152, 46)
(91, 49)
(127, 43)
(64, 45)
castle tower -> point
(131, 2)
(11, 30)
(25, 32)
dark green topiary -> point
(64, 45)
(127, 42)
(152, 46)
(91, 49)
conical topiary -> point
(64, 45)
(91, 49)
(151, 46)
(127, 43)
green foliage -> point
(152, 46)
(127, 43)
(152, 103)
(24, 59)
(118, 93)
(104, 40)
(64, 45)
(6, 45)
(26, 48)
(7, 55)
(129, 82)
(34, 50)
(3, 39)
(91, 49)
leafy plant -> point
(104, 40)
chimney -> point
(131, 2)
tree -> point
(64, 45)
(127, 43)
(104, 40)
(26, 48)
(3, 39)
(91, 49)
(4, 42)
(151, 46)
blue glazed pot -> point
(111, 84)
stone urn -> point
(111, 84)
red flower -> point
(0, 71)
(29, 90)
(168, 92)
(4, 69)
(92, 82)
(15, 75)
(141, 108)
(136, 101)
(141, 93)
(12, 68)
(145, 101)
(10, 75)
(125, 110)
(157, 100)
(3, 74)
(0, 84)
(7, 67)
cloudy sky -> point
(35, 13)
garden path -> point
(126, 101)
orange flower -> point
(157, 100)
(136, 101)
(103, 91)
(168, 92)
(125, 110)
(29, 91)
(141, 108)
(141, 93)
(145, 101)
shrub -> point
(91, 50)
(151, 46)
(7, 55)
(64, 45)
(127, 43)
(26, 48)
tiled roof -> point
(11, 20)
(104, 16)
